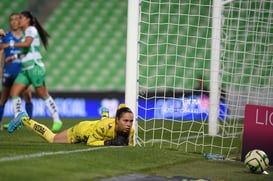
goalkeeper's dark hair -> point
(34, 22)
(123, 110)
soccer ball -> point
(256, 161)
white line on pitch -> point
(42, 154)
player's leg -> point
(16, 101)
(61, 137)
(28, 99)
(37, 76)
(19, 85)
(7, 81)
(50, 104)
(71, 134)
(40, 129)
(3, 100)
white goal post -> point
(192, 66)
(131, 86)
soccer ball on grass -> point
(256, 161)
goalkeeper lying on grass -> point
(116, 131)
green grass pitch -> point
(25, 156)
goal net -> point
(176, 71)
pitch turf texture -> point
(26, 156)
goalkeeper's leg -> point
(39, 129)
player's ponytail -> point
(34, 22)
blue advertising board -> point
(194, 107)
(70, 107)
(184, 108)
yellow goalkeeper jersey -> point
(94, 133)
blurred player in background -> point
(2, 33)
(116, 131)
(33, 70)
(9, 71)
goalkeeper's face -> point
(125, 122)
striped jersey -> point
(32, 54)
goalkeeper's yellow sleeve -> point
(103, 130)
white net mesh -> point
(174, 71)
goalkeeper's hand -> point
(121, 139)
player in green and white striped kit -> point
(33, 70)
